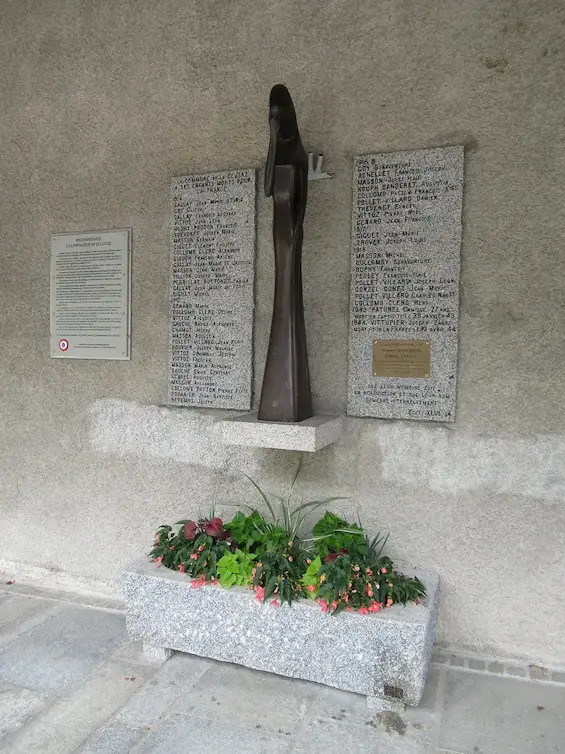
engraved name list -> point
(405, 261)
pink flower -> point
(369, 572)
(275, 603)
(196, 583)
(181, 568)
(308, 561)
(363, 611)
(159, 560)
(214, 527)
(189, 530)
(323, 604)
(348, 609)
(334, 605)
(194, 556)
(310, 588)
(345, 598)
(290, 558)
(200, 548)
(384, 570)
(374, 607)
(389, 602)
(260, 592)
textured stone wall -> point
(102, 102)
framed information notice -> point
(404, 297)
(90, 295)
(212, 280)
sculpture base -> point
(309, 435)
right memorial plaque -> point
(404, 298)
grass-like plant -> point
(338, 565)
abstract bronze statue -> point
(285, 396)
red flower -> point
(274, 603)
(214, 527)
(331, 556)
(260, 592)
(363, 611)
(323, 604)
(190, 530)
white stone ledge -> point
(309, 435)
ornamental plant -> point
(338, 566)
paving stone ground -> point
(72, 682)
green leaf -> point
(270, 586)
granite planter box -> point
(384, 656)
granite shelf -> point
(309, 435)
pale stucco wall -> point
(102, 102)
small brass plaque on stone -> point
(401, 358)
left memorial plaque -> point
(212, 288)
(90, 295)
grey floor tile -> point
(113, 738)
(484, 714)
(332, 737)
(17, 706)
(416, 724)
(67, 723)
(61, 652)
(249, 698)
(132, 650)
(14, 608)
(170, 683)
(180, 734)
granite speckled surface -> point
(309, 435)
(405, 263)
(349, 651)
(212, 289)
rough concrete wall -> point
(102, 102)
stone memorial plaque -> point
(90, 295)
(212, 289)
(404, 298)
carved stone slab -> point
(404, 298)
(211, 295)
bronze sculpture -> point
(286, 396)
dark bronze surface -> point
(285, 396)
